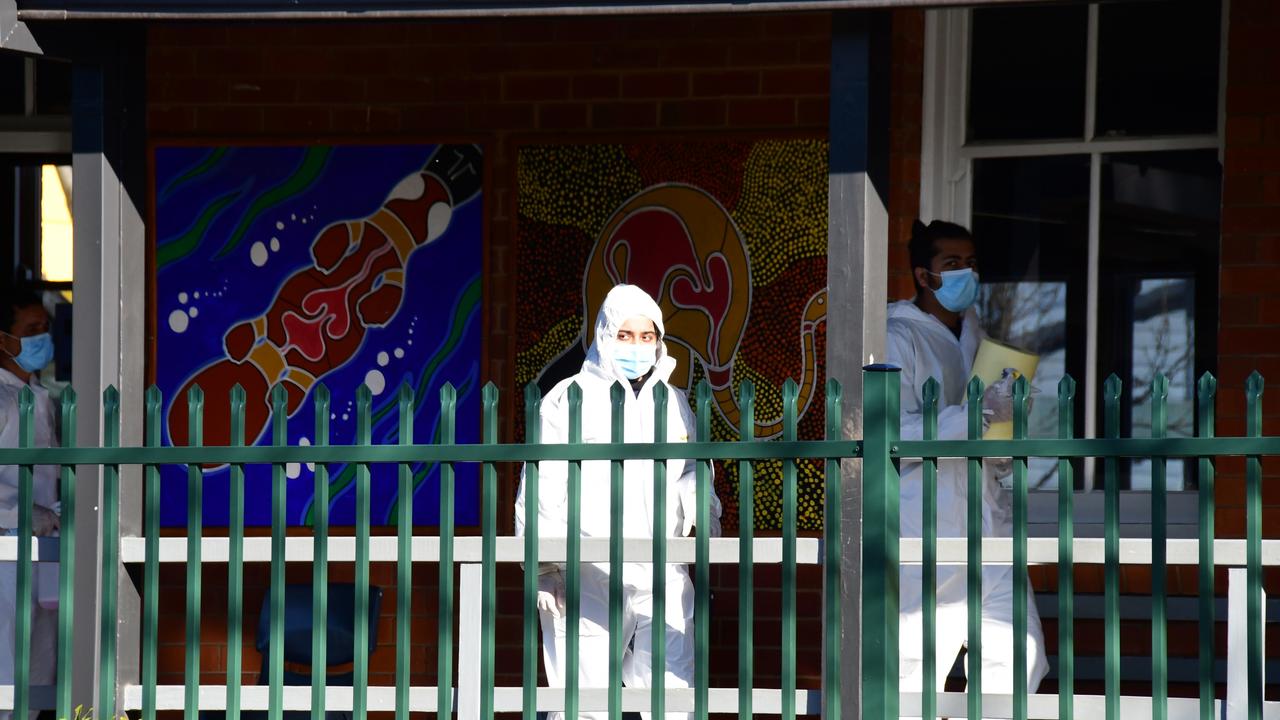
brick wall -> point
(495, 82)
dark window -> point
(1027, 73)
(13, 83)
(1158, 67)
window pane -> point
(1030, 222)
(13, 83)
(1159, 282)
(53, 87)
(1027, 73)
(1158, 67)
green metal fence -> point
(880, 452)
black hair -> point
(923, 245)
(13, 299)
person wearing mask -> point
(936, 335)
(25, 349)
(627, 348)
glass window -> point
(13, 83)
(1158, 67)
(1027, 73)
(53, 87)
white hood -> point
(621, 304)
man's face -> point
(950, 254)
(637, 331)
(27, 321)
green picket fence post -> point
(364, 438)
(929, 567)
(489, 559)
(789, 516)
(235, 559)
(320, 561)
(880, 531)
(275, 645)
(1111, 547)
(618, 434)
(702, 566)
(22, 639)
(973, 567)
(573, 559)
(532, 436)
(195, 527)
(66, 558)
(658, 686)
(151, 567)
(444, 618)
(1159, 554)
(1206, 389)
(1066, 553)
(1021, 393)
(746, 551)
(404, 555)
(831, 559)
(1253, 542)
(110, 540)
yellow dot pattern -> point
(591, 181)
(531, 361)
(783, 209)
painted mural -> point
(297, 266)
(729, 236)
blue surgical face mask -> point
(635, 359)
(959, 289)
(37, 351)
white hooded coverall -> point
(598, 375)
(44, 628)
(923, 347)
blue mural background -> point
(218, 210)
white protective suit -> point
(44, 629)
(598, 374)
(923, 347)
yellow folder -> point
(993, 357)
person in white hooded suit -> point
(936, 335)
(627, 348)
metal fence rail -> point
(880, 451)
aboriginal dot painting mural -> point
(729, 236)
(296, 266)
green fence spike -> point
(195, 529)
(1111, 547)
(1066, 553)
(746, 551)
(364, 436)
(573, 564)
(831, 576)
(489, 558)
(880, 533)
(790, 514)
(26, 480)
(529, 670)
(1253, 541)
(152, 402)
(973, 567)
(404, 554)
(235, 558)
(320, 559)
(618, 434)
(1206, 389)
(929, 567)
(66, 558)
(1159, 554)
(1021, 395)
(444, 619)
(702, 565)
(275, 644)
(110, 543)
(658, 687)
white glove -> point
(44, 522)
(997, 400)
(551, 593)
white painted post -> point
(468, 695)
(1238, 643)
